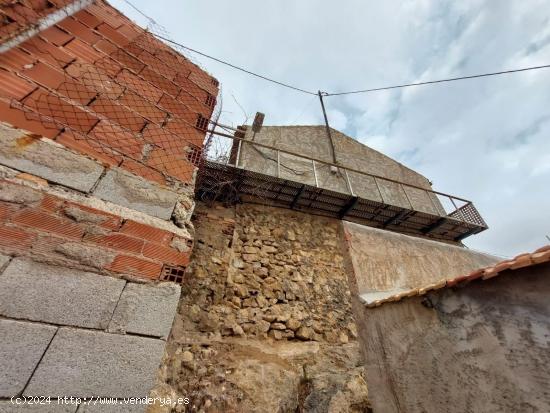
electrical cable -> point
(440, 81)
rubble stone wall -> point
(265, 320)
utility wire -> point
(439, 81)
(235, 67)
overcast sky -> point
(487, 140)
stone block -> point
(146, 309)
(85, 363)
(53, 407)
(4, 259)
(133, 192)
(21, 347)
(26, 152)
(40, 292)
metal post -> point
(278, 164)
(348, 182)
(456, 209)
(238, 154)
(379, 191)
(406, 196)
(329, 135)
(315, 173)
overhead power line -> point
(430, 82)
(234, 66)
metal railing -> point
(230, 150)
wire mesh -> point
(100, 84)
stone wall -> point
(265, 320)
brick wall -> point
(101, 85)
(33, 222)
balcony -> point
(234, 169)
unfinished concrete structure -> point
(101, 129)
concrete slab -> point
(40, 292)
(21, 347)
(128, 190)
(146, 309)
(119, 408)
(85, 363)
(52, 407)
(27, 153)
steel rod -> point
(348, 182)
(315, 173)
(238, 154)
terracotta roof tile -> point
(541, 255)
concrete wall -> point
(385, 262)
(480, 348)
(312, 141)
(72, 333)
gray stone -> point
(40, 292)
(51, 407)
(25, 152)
(146, 309)
(112, 408)
(128, 190)
(85, 363)
(4, 259)
(21, 347)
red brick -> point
(13, 237)
(143, 107)
(144, 171)
(29, 121)
(165, 254)
(95, 79)
(185, 131)
(6, 210)
(117, 241)
(87, 18)
(114, 137)
(127, 61)
(109, 66)
(51, 203)
(156, 79)
(79, 30)
(42, 221)
(16, 59)
(146, 232)
(157, 65)
(101, 218)
(56, 36)
(165, 139)
(62, 111)
(106, 46)
(47, 52)
(130, 31)
(135, 266)
(83, 51)
(204, 81)
(173, 106)
(13, 86)
(113, 35)
(140, 86)
(104, 14)
(87, 146)
(77, 91)
(173, 165)
(45, 75)
(118, 113)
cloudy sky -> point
(487, 140)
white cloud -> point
(485, 139)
